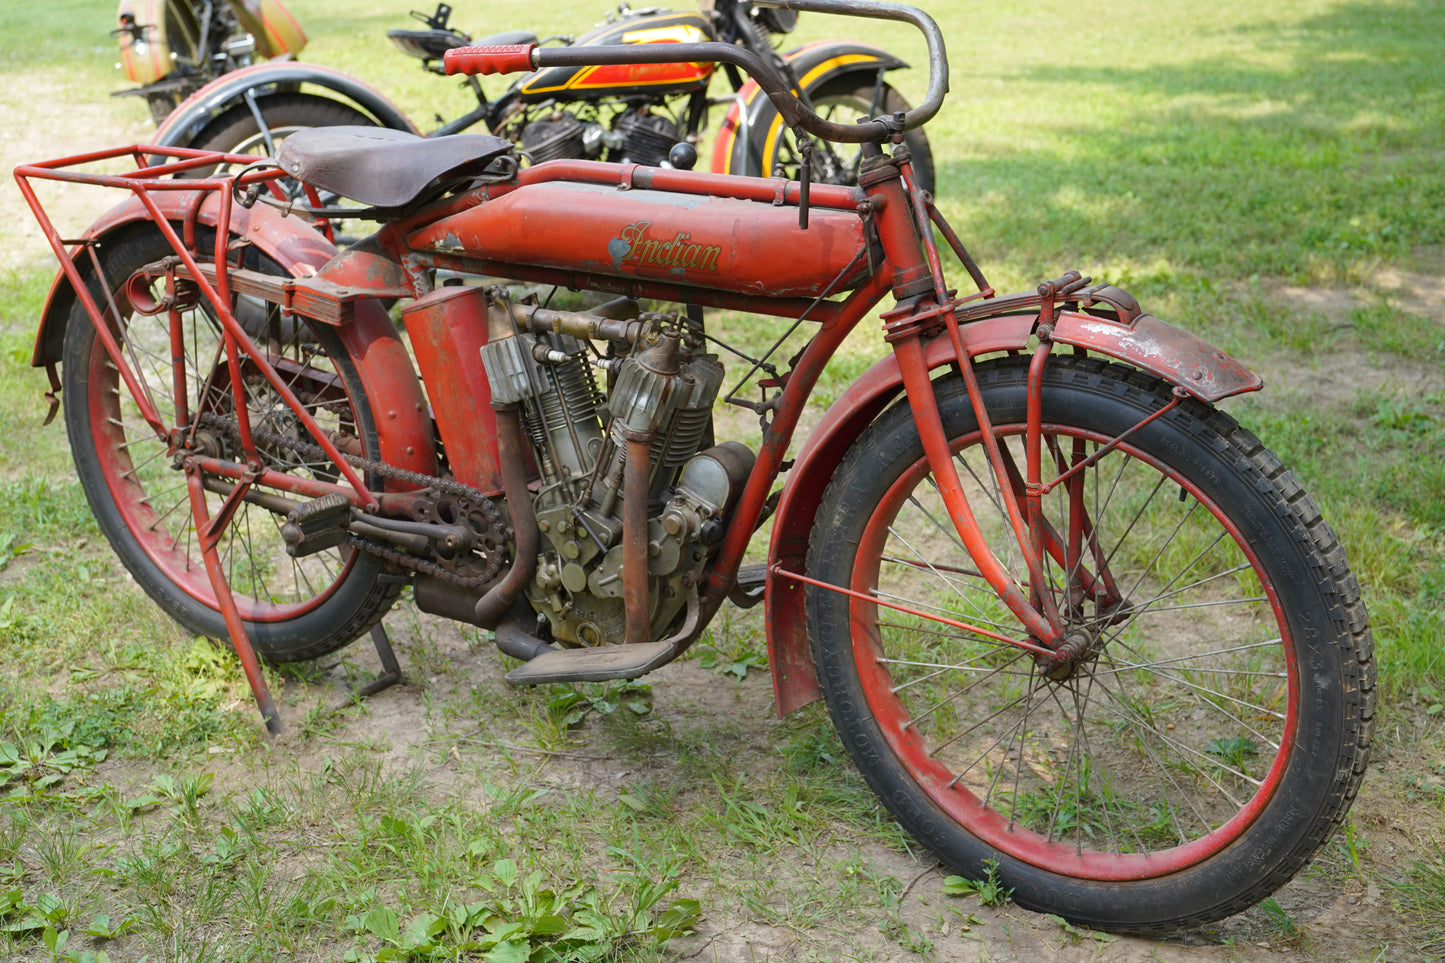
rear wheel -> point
(1213, 729)
(292, 608)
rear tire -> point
(1215, 730)
(292, 609)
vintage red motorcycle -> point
(1069, 618)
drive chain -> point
(496, 521)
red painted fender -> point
(1155, 346)
(381, 358)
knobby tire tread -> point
(1295, 510)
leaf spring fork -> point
(1036, 609)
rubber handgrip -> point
(508, 59)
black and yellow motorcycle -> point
(635, 113)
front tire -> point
(292, 609)
(1215, 730)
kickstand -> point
(390, 668)
(390, 671)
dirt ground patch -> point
(35, 107)
(1333, 911)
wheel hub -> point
(1079, 645)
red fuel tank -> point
(726, 244)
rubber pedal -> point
(752, 578)
(317, 525)
(751, 582)
(599, 663)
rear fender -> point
(815, 65)
(1145, 342)
(205, 105)
(381, 358)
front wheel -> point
(1213, 728)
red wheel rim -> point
(946, 788)
(166, 535)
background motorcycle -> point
(638, 112)
(172, 48)
(193, 60)
(635, 113)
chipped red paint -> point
(1172, 353)
(447, 329)
(718, 242)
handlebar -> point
(510, 59)
(505, 59)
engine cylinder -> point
(647, 138)
(554, 138)
(567, 408)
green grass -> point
(1217, 159)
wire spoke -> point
(911, 723)
(1269, 644)
(1191, 751)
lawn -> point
(1269, 176)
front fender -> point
(203, 106)
(1145, 342)
(371, 340)
(815, 64)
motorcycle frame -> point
(930, 326)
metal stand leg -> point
(209, 534)
(391, 669)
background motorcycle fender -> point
(274, 28)
(205, 105)
(815, 64)
(1162, 349)
(381, 358)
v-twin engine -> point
(660, 385)
(637, 135)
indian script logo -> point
(634, 246)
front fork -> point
(927, 307)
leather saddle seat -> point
(380, 167)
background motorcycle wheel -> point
(1214, 732)
(293, 609)
(841, 100)
(235, 131)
